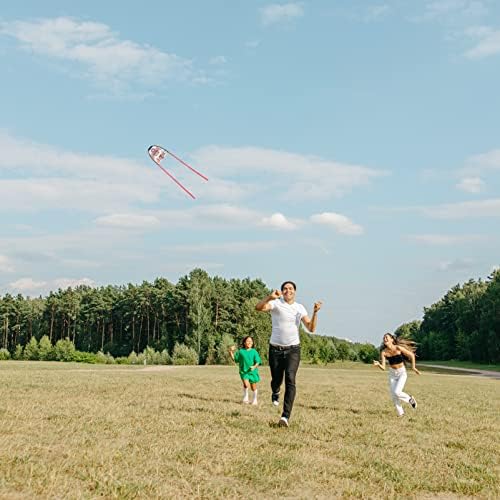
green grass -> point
(464, 364)
(86, 431)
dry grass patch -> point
(80, 431)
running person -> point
(284, 344)
(248, 360)
(394, 353)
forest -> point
(463, 325)
(192, 322)
(195, 321)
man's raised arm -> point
(264, 305)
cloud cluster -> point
(289, 176)
(30, 286)
(98, 53)
(487, 42)
(280, 13)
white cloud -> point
(36, 177)
(471, 184)
(289, 176)
(279, 221)
(483, 208)
(487, 42)
(280, 13)
(6, 265)
(25, 285)
(99, 52)
(39, 176)
(376, 12)
(485, 161)
(453, 11)
(456, 265)
(339, 222)
(444, 239)
(217, 60)
(64, 283)
(29, 285)
(129, 221)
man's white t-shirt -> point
(286, 321)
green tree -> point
(31, 350)
(184, 355)
(45, 349)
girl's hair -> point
(409, 344)
(245, 339)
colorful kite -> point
(157, 154)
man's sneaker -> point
(413, 402)
(283, 422)
(275, 398)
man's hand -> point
(317, 306)
(275, 294)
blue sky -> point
(351, 146)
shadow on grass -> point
(202, 398)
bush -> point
(18, 353)
(45, 349)
(368, 353)
(152, 357)
(4, 354)
(105, 359)
(223, 357)
(31, 350)
(184, 355)
(132, 358)
(85, 357)
(64, 350)
(165, 358)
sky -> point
(351, 146)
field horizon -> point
(118, 431)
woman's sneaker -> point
(413, 402)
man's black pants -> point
(284, 362)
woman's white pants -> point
(397, 381)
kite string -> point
(186, 165)
(176, 181)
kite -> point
(157, 154)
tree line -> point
(462, 325)
(195, 320)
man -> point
(284, 344)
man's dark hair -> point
(288, 282)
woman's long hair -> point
(407, 343)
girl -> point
(394, 352)
(248, 360)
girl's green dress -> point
(245, 359)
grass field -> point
(86, 431)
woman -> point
(395, 351)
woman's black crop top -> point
(396, 359)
